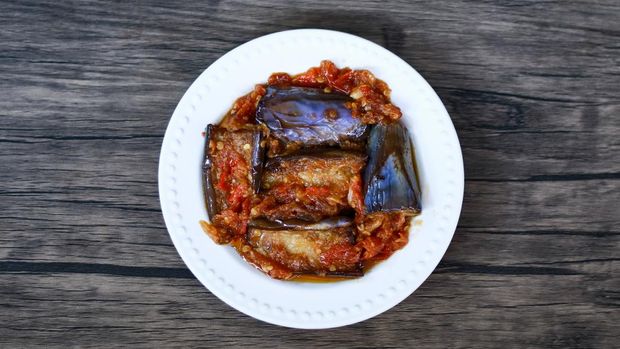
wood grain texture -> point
(87, 89)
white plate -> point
(297, 304)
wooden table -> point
(86, 92)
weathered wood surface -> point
(86, 91)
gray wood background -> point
(86, 91)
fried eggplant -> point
(309, 187)
(309, 251)
(231, 174)
(299, 118)
(390, 181)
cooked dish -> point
(311, 174)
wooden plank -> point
(87, 90)
(82, 310)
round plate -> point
(300, 304)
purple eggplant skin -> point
(301, 117)
(390, 181)
(258, 159)
(207, 180)
(298, 224)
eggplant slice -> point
(390, 181)
(207, 179)
(296, 224)
(320, 252)
(258, 157)
(246, 143)
(308, 187)
(300, 118)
